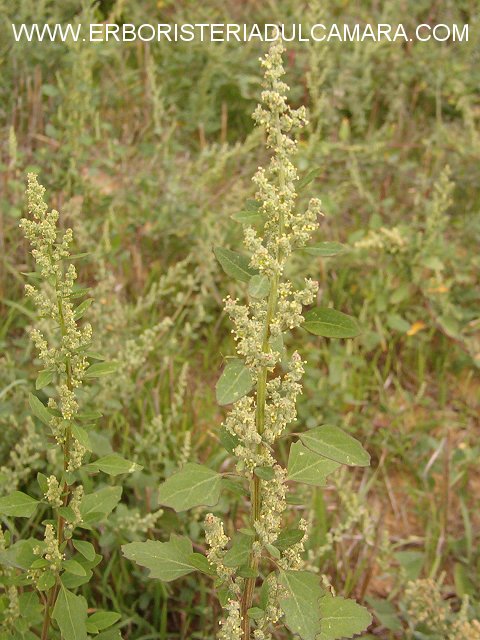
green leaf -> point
(235, 485)
(71, 581)
(94, 355)
(248, 217)
(264, 473)
(115, 465)
(85, 548)
(411, 563)
(325, 249)
(82, 308)
(251, 214)
(259, 286)
(30, 608)
(309, 177)
(43, 379)
(46, 581)
(252, 205)
(42, 482)
(39, 564)
(194, 485)
(89, 416)
(273, 551)
(228, 440)
(20, 555)
(72, 566)
(255, 613)
(81, 435)
(335, 444)
(100, 369)
(397, 323)
(386, 613)
(200, 563)
(79, 293)
(300, 606)
(91, 628)
(166, 561)
(111, 634)
(104, 619)
(67, 513)
(329, 323)
(342, 618)
(308, 467)
(39, 409)
(247, 572)
(18, 505)
(70, 613)
(234, 383)
(433, 262)
(288, 538)
(239, 552)
(101, 503)
(234, 264)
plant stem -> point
(256, 497)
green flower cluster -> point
(67, 358)
(258, 421)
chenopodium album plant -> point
(40, 575)
(265, 553)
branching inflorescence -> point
(263, 383)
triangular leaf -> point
(70, 613)
(329, 323)
(300, 606)
(333, 443)
(165, 560)
(341, 618)
(309, 467)
(194, 485)
(234, 383)
(102, 503)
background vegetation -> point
(147, 150)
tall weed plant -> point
(259, 574)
